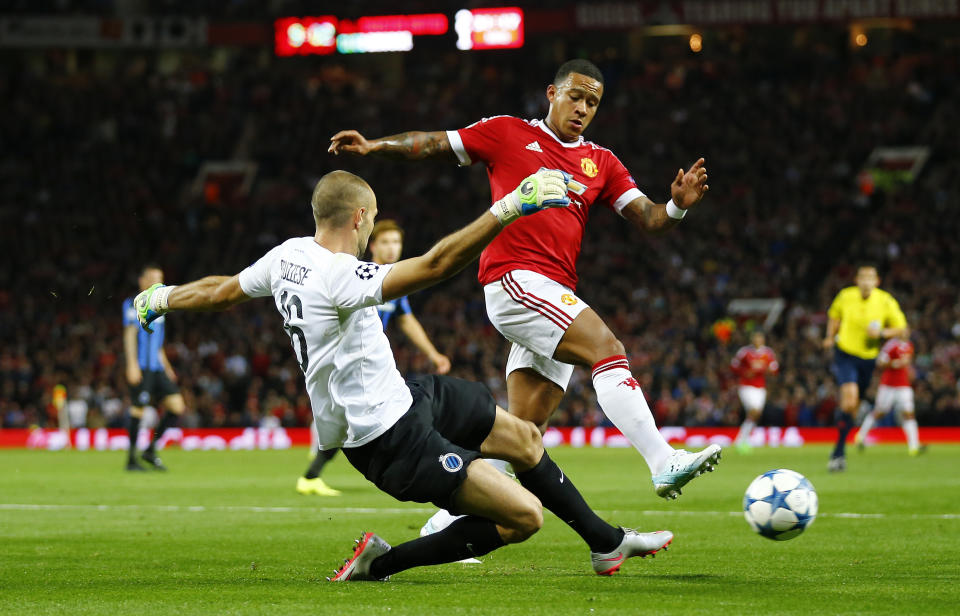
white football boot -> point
(357, 569)
(633, 544)
(681, 467)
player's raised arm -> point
(203, 295)
(545, 188)
(686, 191)
(413, 145)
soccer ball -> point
(780, 504)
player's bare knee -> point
(529, 520)
(608, 345)
(530, 448)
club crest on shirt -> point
(366, 271)
(589, 167)
(568, 299)
(451, 462)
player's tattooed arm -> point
(413, 145)
(648, 216)
(686, 191)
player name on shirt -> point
(293, 272)
(351, 377)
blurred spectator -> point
(102, 155)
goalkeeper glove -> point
(152, 304)
(545, 188)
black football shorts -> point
(424, 456)
(152, 389)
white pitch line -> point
(203, 508)
(422, 510)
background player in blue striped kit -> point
(149, 375)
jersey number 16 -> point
(289, 303)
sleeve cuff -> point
(626, 198)
(457, 144)
(245, 283)
(384, 270)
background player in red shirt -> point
(895, 392)
(752, 364)
(529, 272)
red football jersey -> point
(751, 365)
(549, 242)
(895, 349)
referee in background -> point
(859, 319)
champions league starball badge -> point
(366, 271)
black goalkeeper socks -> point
(169, 420)
(467, 537)
(319, 461)
(559, 495)
(133, 429)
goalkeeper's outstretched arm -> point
(204, 295)
(208, 294)
(546, 188)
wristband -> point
(161, 299)
(674, 212)
(506, 210)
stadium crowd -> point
(99, 178)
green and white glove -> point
(545, 188)
(152, 304)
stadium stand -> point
(98, 177)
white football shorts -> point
(890, 398)
(752, 398)
(533, 312)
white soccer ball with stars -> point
(780, 504)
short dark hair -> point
(337, 196)
(583, 67)
(384, 225)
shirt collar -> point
(543, 126)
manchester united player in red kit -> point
(529, 274)
(895, 392)
(752, 364)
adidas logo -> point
(533, 146)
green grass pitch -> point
(225, 533)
